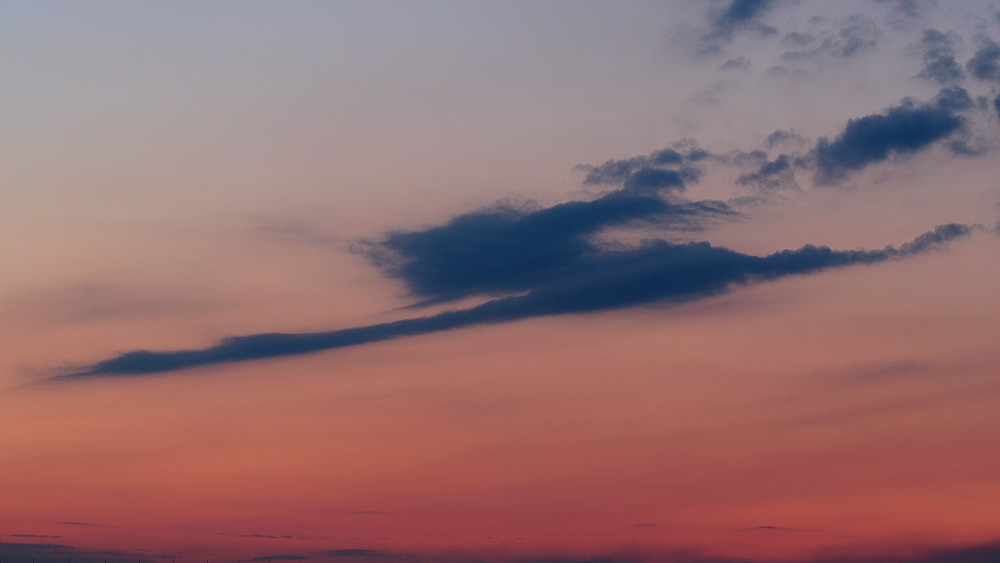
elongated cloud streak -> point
(657, 271)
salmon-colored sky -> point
(646, 361)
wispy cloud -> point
(851, 37)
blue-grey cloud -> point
(735, 16)
(506, 250)
(939, 58)
(740, 15)
(530, 262)
(771, 175)
(985, 64)
(954, 99)
(596, 280)
(682, 162)
(899, 130)
(12, 552)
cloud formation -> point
(739, 15)
(899, 130)
(771, 175)
(529, 262)
(593, 280)
(985, 64)
(939, 58)
(525, 261)
(57, 553)
(736, 16)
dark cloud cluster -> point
(11, 552)
(739, 15)
(771, 175)
(985, 64)
(734, 17)
(529, 262)
(939, 58)
(505, 249)
(671, 166)
(899, 130)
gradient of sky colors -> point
(524, 281)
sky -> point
(686, 281)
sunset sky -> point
(555, 281)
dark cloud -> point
(529, 262)
(507, 250)
(954, 99)
(597, 280)
(985, 64)
(939, 58)
(736, 16)
(903, 129)
(55, 553)
(771, 175)
(279, 558)
(682, 161)
(739, 15)
(44, 552)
